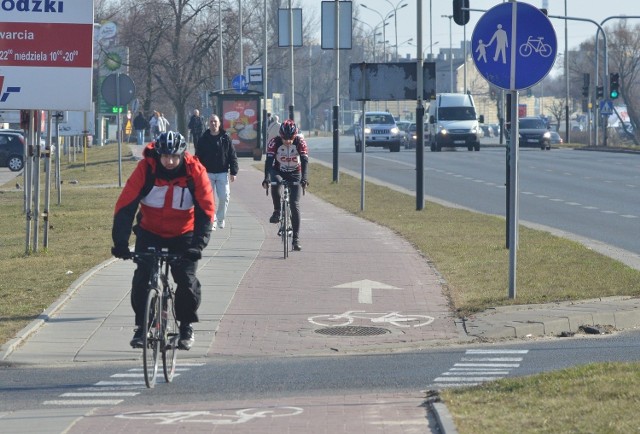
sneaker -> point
(296, 244)
(186, 337)
(221, 225)
(138, 339)
(275, 217)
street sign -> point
(606, 107)
(118, 89)
(239, 83)
(514, 54)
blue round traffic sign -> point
(514, 55)
(239, 83)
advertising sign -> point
(46, 53)
(241, 119)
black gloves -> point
(265, 183)
(121, 252)
(193, 254)
(304, 183)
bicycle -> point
(160, 325)
(285, 229)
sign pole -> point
(513, 195)
(118, 130)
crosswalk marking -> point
(480, 365)
(84, 402)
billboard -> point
(390, 81)
(46, 54)
(241, 118)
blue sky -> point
(596, 10)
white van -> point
(453, 122)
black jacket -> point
(217, 153)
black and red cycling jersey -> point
(287, 159)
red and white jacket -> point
(168, 207)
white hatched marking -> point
(84, 402)
(477, 369)
(483, 351)
(97, 394)
(110, 388)
(609, 212)
(494, 365)
(629, 216)
(141, 375)
(590, 207)
(119, 383)
(556, 200)
(491, 359)
(574, 204)
(460, 379)
(477, 373)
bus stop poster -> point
(240, 121)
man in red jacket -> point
(173, 193)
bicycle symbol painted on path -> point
(394, 318)
(535, 45)
(212, 418)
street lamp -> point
(374, 32)
(450, 53)
(395, 19)
(430, 47)
(384, 32)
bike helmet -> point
(288, 130)
(170, 143)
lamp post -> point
(384, 32)
(430, 47)
(374, 32)
(450, 53)
(395, 19)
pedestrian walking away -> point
(274, 128)
(170, 192)
(287, 158)
(140, 124)
(196, 127)
(218, 155)
(154, 126)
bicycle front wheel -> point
(153, 328)
(170, 350)
(285, 232)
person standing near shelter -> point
(140, 124)
(218, 155)
(196, 126)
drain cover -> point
(353, 331)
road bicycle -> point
(395, 318)
(285, 229)
(160, 326)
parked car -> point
(11, 150)
(555, 138)
(487, 130)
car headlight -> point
(547, 135)
(394, 130)
(442, 131)
(367, 130)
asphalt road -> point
(593, 195)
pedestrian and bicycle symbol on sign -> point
(514, 45)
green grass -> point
(466, 248)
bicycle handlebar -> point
(157, 254)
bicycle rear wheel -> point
(170, 350)
(285, 232)
(151, 347)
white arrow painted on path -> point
(365, 289)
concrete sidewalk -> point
(355, 288)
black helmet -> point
(288, 130)
(170, 143)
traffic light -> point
(460, 16)
(599, 92)
(585, 84)
(614, 85)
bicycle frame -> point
(285, 230)
(160, 322)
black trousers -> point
(188, 288)
(294, 197)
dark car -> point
(11, 150)
(555, 138)
(534, 132)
